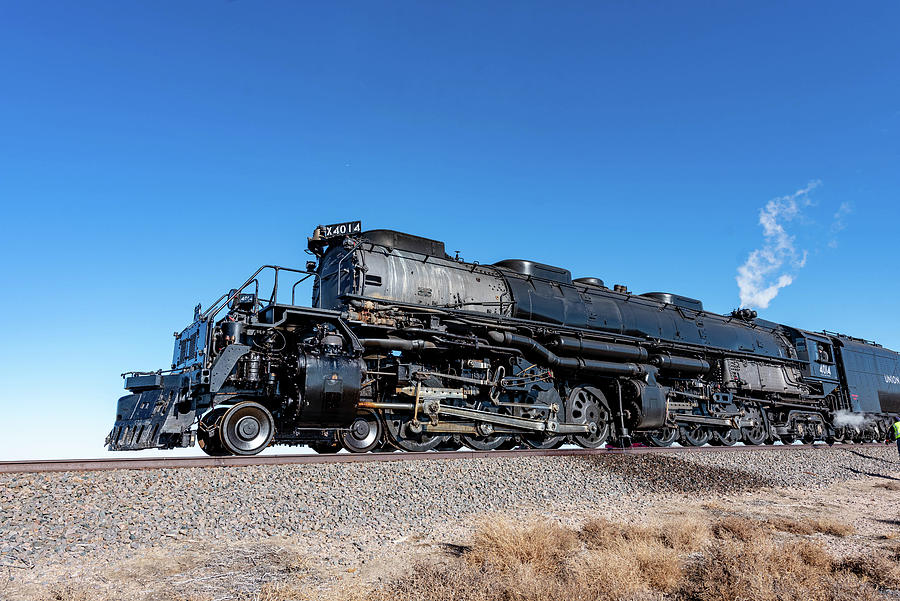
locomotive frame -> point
(408, 348)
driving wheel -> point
(664, 437)
(587, 405)
(407, 435)
(728, 438)
(695, 435)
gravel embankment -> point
(343, 510)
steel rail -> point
(143, 463)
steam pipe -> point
(680, 363)
(397, 344)
(542, 354)
(578, 346)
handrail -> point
(297, 283)
(349, 253)
(227, 297)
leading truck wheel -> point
(208, 434)
(246, 428)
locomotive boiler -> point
(405, 347)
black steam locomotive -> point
(406, 347)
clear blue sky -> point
(151, 155)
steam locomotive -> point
(405, 347)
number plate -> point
(348, 228)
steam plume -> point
(845, 418)
(771, 267)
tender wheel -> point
(728, 438)
(364, 433)
(246, 428)
(587, 405)
(664, 437)
(788, 439)
(208, 434)
(695, 435)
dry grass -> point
(766, 571)
(682, 559)
(792, 526)
(834, 528)
(877, 569)
(504, 545)
(686, 535)
(740, 529)
(811, 526)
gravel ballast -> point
(349, 511)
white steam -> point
(845, 418)
(772, 267)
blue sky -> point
(152, 155)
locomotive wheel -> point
(755, 435)
(512, 442)
(539, 441)
(400, 432)
(452, 443)
(541, 394)
(695, 435)
(788, 439)
(664, 437)
(486, 442)
(207, 434)
(364, 434)
(587, 405)
(728, 438)
(246, 428)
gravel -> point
(348, 512)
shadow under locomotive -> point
(407, 347)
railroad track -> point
(142, 463)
